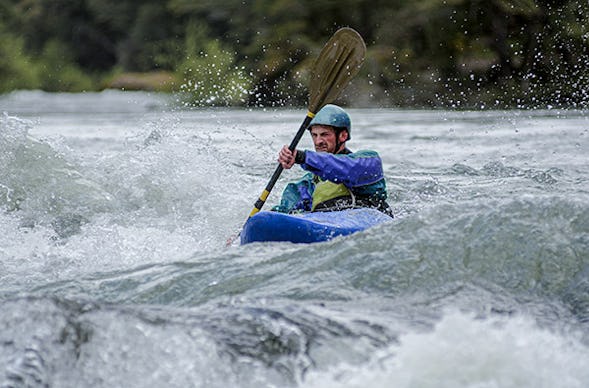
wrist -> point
(300, 157)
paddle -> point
(339, 61)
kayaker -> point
(337, 178)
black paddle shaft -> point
(262, 199)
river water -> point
(115, 210)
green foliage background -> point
(458, 53)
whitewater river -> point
(115, 209)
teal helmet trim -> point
(334, 116)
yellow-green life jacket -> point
(327, 190)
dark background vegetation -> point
(448, 53)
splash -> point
(42, 183)
(464, 351)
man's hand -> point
(286, 158)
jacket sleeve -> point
(353, 170)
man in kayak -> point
(337, 178)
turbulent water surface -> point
(115, 209)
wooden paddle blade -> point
(339, 61)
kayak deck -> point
(309, 227)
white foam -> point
(463, 351)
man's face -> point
(324, 138)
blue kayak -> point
(309, 227)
